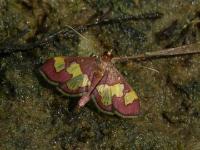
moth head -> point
(107, 56)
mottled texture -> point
(34, 116)
(74, 78)
(115, 92)
(77, 76)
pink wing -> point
(65, 72)
(114, 95)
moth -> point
(93, 78)
(97, 78)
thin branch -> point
(171, 52)
(10, 48)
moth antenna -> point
(152, 69)
(77, 32)
(88, 41)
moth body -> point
(95, 78)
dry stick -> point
(148, 16)
(178, 51)
(171, 52)
(7, 49)
(79, 29)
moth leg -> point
(97, 76)
(84, 99)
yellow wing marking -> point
(130, 97)
(59, 63)
(86, 81)
(117, 90)
(78, 78)
(74, 69)
(107, 92)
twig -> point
(171, 52)
(10, 48)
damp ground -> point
(33, 115)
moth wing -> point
(53, 70)
(114, 95)
(128, 105)
(71, 75)
(102, 97)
